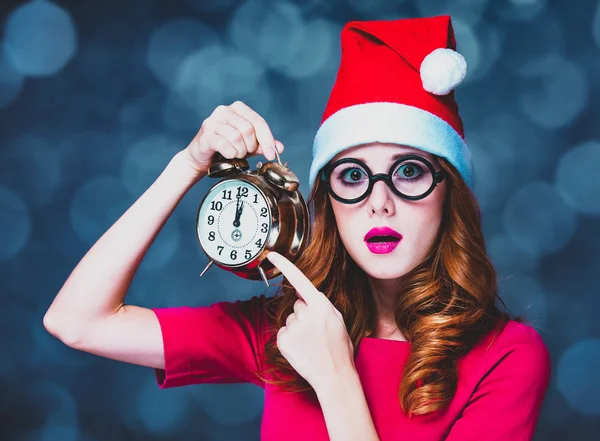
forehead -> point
(379, 152)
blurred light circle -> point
(508, 152)
(577, 376)
(483, 49)
(15, 224)
(145, 160)
(179, 115)
(491, 161)
(535, 45)
(246, 25)
(377, 9)
(171, 43)
(52, 401)
(40, 38)
(82, 154)
(53, 432)
(577, 177)
(518, 10)
(96, 205)
(32, 166)
(283, 39)
(231, 403)
(562, 97)
(219, 75)
(315, 52)
(211, 6)
(538, 220)
(281, 33)
(142, 165)
(523, 295)
(509, 259)
(469, 47)
(11, 81)
(469, 11)
(162, 411)
(514, 141)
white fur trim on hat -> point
(442, 70)
(389, 123)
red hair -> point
(447, 302)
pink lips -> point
(382, 247)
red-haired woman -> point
(387, 327)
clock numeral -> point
(233, 254)
(242, 191)
(264, 228)
(211, 219)
(248, 254)
(211, 235)
(258, 243)
(263, 212)
(256, 199)
(227, 195)
(220, 248)
(216, 205)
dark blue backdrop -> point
(96, 97)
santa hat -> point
(395, 84)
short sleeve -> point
(506, 403)
(220, 343)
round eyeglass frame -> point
(438, 176)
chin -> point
(383, 266)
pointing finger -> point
(299, 281)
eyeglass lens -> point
(410, 177)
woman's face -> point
(417, 221)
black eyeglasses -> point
(411, 177)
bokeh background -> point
(96, 97)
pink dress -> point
(499, 394)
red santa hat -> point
(395, 84)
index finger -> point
(265, 138)
(303, 285)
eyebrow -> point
(399, 155)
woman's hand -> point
(234, 131)
(314, 339)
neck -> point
(385, 294)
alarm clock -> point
(248, 213)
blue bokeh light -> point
(573, 173)
(577, 377)
(171, 43)
(230, 403)
(538, 220)
(11, 81)
(15, 224)
(40, 38)
(33, 167)
(96, 206)
(563, 96)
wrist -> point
(185, 169)
(338, 384)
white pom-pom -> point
(442, 70)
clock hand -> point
(238, 212)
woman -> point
(387, 326)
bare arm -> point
(88, 312)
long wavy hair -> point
(445, 305)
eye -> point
(409, 171)
(353, 175)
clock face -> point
(234, 222)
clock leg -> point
(262, 274)
(207, 267)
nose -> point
(381, 200)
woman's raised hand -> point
(234, 131)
